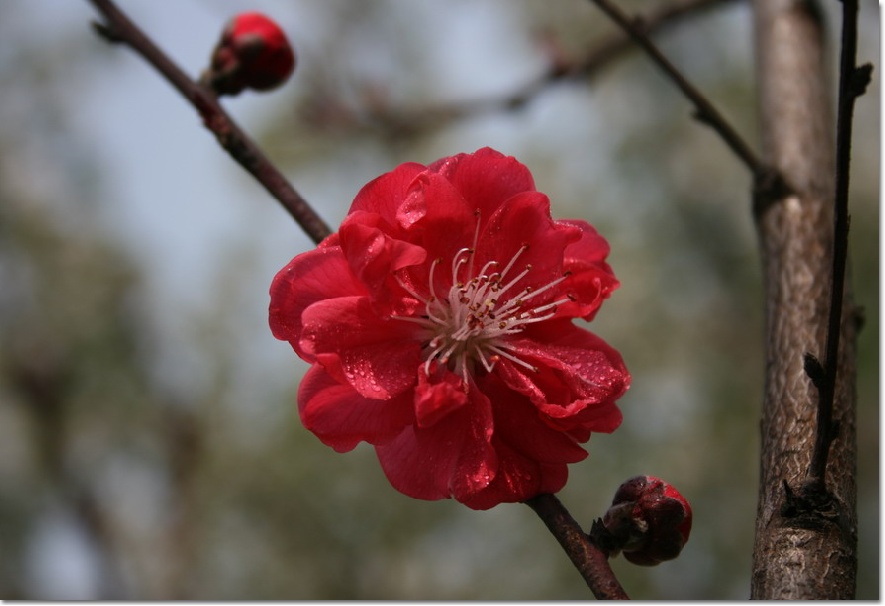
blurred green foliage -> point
(216, 492)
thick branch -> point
(805, 546)
(119, 28)
(590, 560)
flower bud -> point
(648, 520)
(253, 53)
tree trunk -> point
(800, 552)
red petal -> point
(385, 194)
(441, 220)
(437, 397)
(453, 458)
(313, 276)
(518, 478)
(373, 255)
(485, 178)
(341, 418)
(379, 356)
(579, 377)
(591, 280)
(521, 426)
(532, 455)
(525, 219)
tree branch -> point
(118, 28)
(705, 112)
(588, 558)
(853, 81)
(398, 122)
(805, 544)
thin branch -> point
(118, 28)
(399, 122)
(638, 30)
(588, 558)
(655, 21)
(853, 81)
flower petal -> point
(437, 397)
(453, 458)
(373, 256)
(342, 418)
(374, 353)
(524, 220)
(384, 194)
(579, 377)
(486, 178)
(591, 279)
(441, 220)
(532, 455)
(524, 428)
(313, 276)
(518, 478)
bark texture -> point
(805, 546)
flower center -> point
(473, 321)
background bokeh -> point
(149, 443)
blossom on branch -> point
(253, 53)
(438, 322)
(649, 520)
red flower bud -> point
(648, 520)
(253, 53)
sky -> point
(183, 209)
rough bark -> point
(805, 546)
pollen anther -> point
(470, 328)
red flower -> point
(438, 321)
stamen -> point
(444, 358)
(408, 289)
(433, 265)
(510, 284)
(553, 305)
(457, 262)
(482, 358)
(433, 354)
(478, 215)
(532, 319)
(463, 373)
(534, 293)
(521, 250)
(470, 328)
(428, 305)
(512, 358)
(485, 268)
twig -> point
(588, 558)
(705, 112)
(118, 28)
(397, 122)
(853, 81)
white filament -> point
(472, 322)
